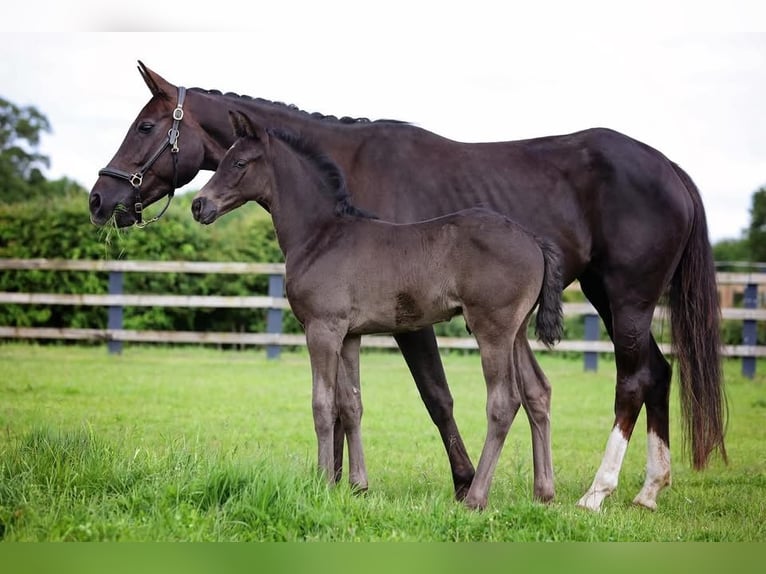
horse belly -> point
(401, 312)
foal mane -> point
(328, 171)
(294, 108)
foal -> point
(350, 274)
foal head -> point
(245, 174)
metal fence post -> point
(591, 334)
(274, 315)
(750, 329)
(114, 316)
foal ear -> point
(244, 127)
(157, 85)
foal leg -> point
(536, 400)
(503, 401)
(422, 356)
(324, 346)
(339, 435)
(350, 407)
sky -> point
(686, 77)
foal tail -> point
(694, 323)
(549, 324)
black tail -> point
(694, 319)
(549, 324)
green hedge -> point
(61, 229)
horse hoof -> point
(461, 492)
(462, 485)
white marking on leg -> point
(606, 478)
(657, 471)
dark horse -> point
(628, 222)
(349, 274)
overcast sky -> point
(688, 78)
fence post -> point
(114, 316)
(591, 334)
(749, 329)
(274, 315)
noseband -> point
(137, 178)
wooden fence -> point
(730, 283)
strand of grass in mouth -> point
(111, 229)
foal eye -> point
(145, 127)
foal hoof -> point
(358, 489)
(645, 503)
(544, 496)
(472, 504)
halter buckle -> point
(173, 134)
(136, 180)
(178, 114)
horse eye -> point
(240, 163)
(145, 127)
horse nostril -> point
(95, 201)
(196, 207)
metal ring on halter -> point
(136, 179)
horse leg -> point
(657, 432)
(536, 400)
(422, 356)
(656, 400)
(350, 407)
(632, 347)
(503, 402)
(324, 346)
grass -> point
(197, 444)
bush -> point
(62, 229)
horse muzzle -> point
(204, 211)
(101, 211)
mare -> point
(628, 222)
(349, 274)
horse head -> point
(159, 153)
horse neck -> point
(301, 207)
(212, 114)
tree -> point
(756, 233)
(20, 160)
(731, 250)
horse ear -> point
(243, 127)
(157, 85)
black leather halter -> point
(137, 178)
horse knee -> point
(538, 400)
(325, 416)
(500, 415)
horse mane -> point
(294, 108)
(328, 171)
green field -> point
(200, 444)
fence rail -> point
(745, 282)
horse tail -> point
(694, 322)
(549, 323)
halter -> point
(137, 178)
